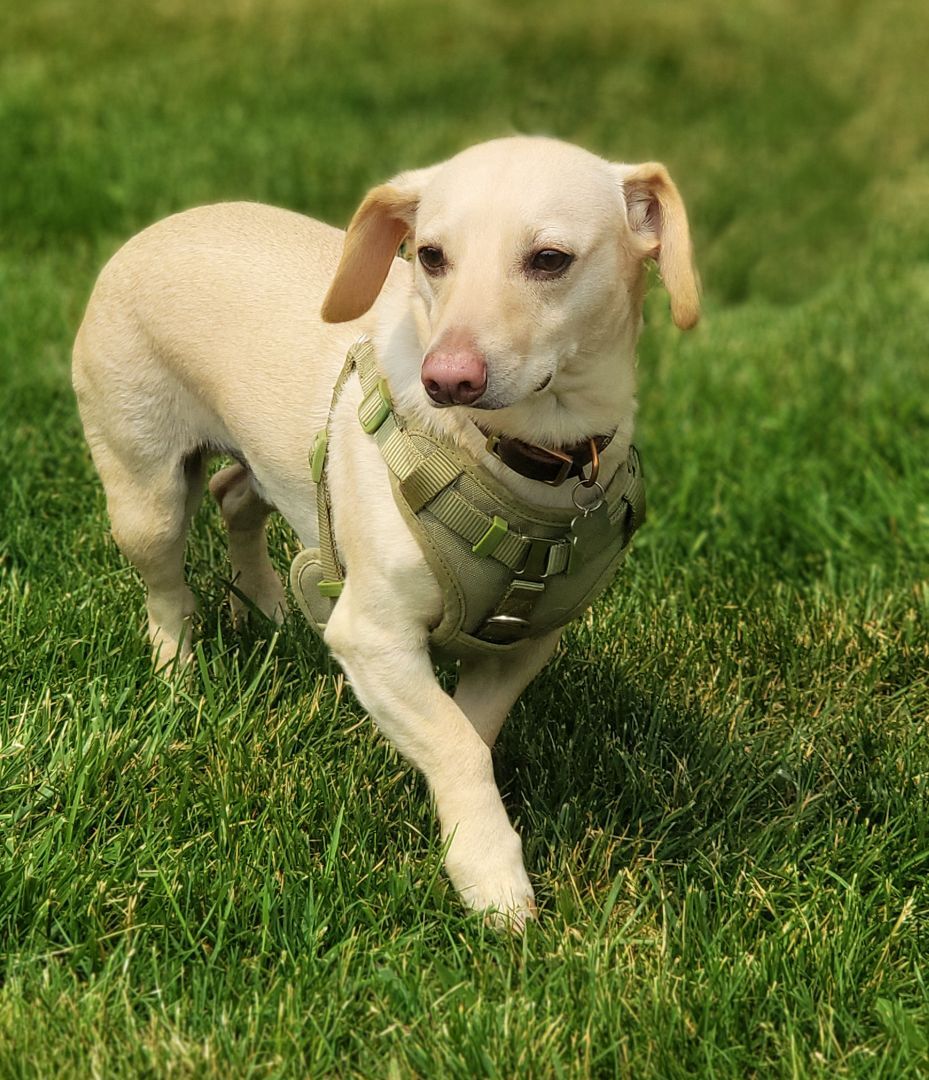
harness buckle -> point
(510, 621)
(503, 629)
(543, 559)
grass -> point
(721, 781)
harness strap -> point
(333, 571)
(426, 479)
(426, 476)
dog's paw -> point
(266, 593)
(490, 877)
(170, 655)
(170, 629)
(510, 914)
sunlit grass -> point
(722, 779)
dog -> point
(512, 322)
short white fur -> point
(203, 336)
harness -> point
(507, 570)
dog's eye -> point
(550, 263)
(432, 259)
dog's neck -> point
(591, 394)
(550, 465)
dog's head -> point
(529, 256)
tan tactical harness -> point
(507, 570)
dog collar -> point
(550, 466)
(507, 569)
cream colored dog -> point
(521, 310)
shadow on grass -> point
(597, 760)
(590, 752)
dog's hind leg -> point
(245, 514)
(149, 514)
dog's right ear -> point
(658, 223)
(386, 216)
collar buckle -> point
(535, 462)
(547, 464)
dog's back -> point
(224, 329)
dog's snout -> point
(454, 371)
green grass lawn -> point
(721, 781)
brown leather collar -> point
(551, 466)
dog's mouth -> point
(489, 403)
(486, 402)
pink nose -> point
(454, 372)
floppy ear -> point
(385, 217)
(658, 222)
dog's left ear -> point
(386, 215)
(658, 223)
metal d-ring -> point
(589, 481)
(597, 501)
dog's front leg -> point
(488, 686)
(389, 667)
